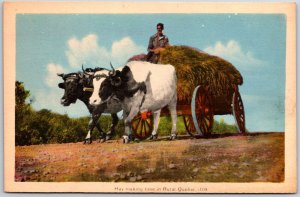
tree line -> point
(45, 127)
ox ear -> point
(81, 77)
(61, 85)
(125, 70)
(61, 75)
(126, 73)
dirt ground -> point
(254, 157)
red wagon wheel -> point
(142, 125)
(238, 111)
(202, 111)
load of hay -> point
(195, 67)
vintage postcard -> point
(150, 97)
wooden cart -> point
(197, 112)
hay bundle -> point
(195, 67)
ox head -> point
(110, 87)
(77, 85)
(98, 78)
(72, 85)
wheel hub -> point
(145, 115)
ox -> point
(126, 85)
(79, 86)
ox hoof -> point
(102, 138)
(125, 139)
(87, 141)
(173, 137)
(153, 137)
(109, 136)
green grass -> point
(165, 126)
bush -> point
(222, 127)
(165, 126)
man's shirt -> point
(156, 41)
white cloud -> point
(233, 52)
(123, 49)
(88, 51)
(51, 78)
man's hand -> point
(158, 50)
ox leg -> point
(134, 110)
(128, 136)
(112, 130)
(88, 138)
(102, 135)
(92, 124)
(156, 116)
(135, 107)
(173, 113)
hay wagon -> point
(207, 86)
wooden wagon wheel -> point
(189, 125)
(202, 110)
(142, 125)
(238, 111)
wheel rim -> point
(238, 112)
(142, 125)
(204, 111)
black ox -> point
(80, 86)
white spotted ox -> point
(140, 86)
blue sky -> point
(254, 43)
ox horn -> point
(84, 71)
(113, 72)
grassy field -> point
(254, 157)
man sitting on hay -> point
(156, 43)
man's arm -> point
(150, 44)
(166, 43)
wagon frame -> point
(198, 112)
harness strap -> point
(143, 99)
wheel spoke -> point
(137, 124)
(148, 122)
(202, 128)
(147, 127)
(144, 129)
(140, 127)
(137, 117)
(188, 121)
